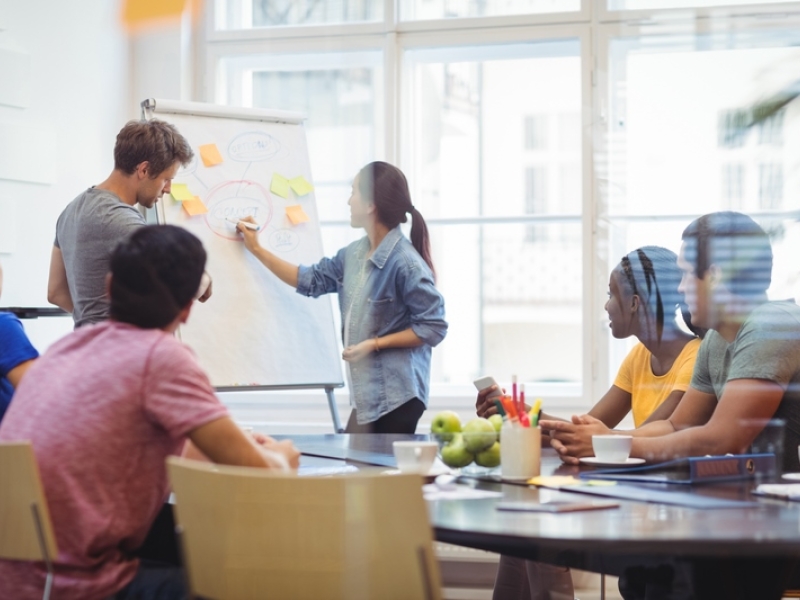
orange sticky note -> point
(210, 155)
(296, 214)
(136, 12)
(279, 186)
(301, 186)
(195, 206)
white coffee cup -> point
(415, 456)
(612, 448)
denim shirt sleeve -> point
(425, 305)
(323, 277)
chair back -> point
(22, 502)
(252, 534)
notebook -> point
(688, 471)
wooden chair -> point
(251, 534)
(24, 517)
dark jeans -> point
(707, 579)
(402, 419)
(155, 581)
(160, 575)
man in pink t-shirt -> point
(105, 406)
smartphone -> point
(481, 383)
(484, 382)
(556, 506)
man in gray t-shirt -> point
(766, 349)
(147, 155)
(747, 368)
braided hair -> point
(652, 273)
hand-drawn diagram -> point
(234, 199)
(255, 330)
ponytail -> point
(385, 186)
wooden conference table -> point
(744, 550)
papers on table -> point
(432, 491)
(787, 491)
(322, 471)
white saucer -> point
(594, 461)
(791, 476)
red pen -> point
(524, 419)
(514, 392)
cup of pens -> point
(521, 447)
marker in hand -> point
(247, 224)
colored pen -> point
(247, 224)
(523, 416)
(509, 407)
(534, 414)
(514, 397)
(499, 405)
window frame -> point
(594, 26)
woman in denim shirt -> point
(392, 313)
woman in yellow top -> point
(643, 301)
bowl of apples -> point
(474, 448)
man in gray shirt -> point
(147, 155)
(747, 368)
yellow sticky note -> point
(553, 481)
(279, 186)
(195, 206)
(180, 191)
(296, 214)
(300, 186)
(210, 155)
(599, 482)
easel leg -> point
(337, 425)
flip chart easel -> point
(255, 333)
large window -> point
(678, 147)
(489, 131)
(542, 139)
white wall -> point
(80, 92)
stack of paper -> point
(789, 491)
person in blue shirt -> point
(392, 313)
(16, 354)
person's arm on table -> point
(223, 442)
(573, 440)
(719, 434)
(57, 287)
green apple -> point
(445, 424)
(455, 454)
(489, 457)
(497, 421)
(479, 434)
